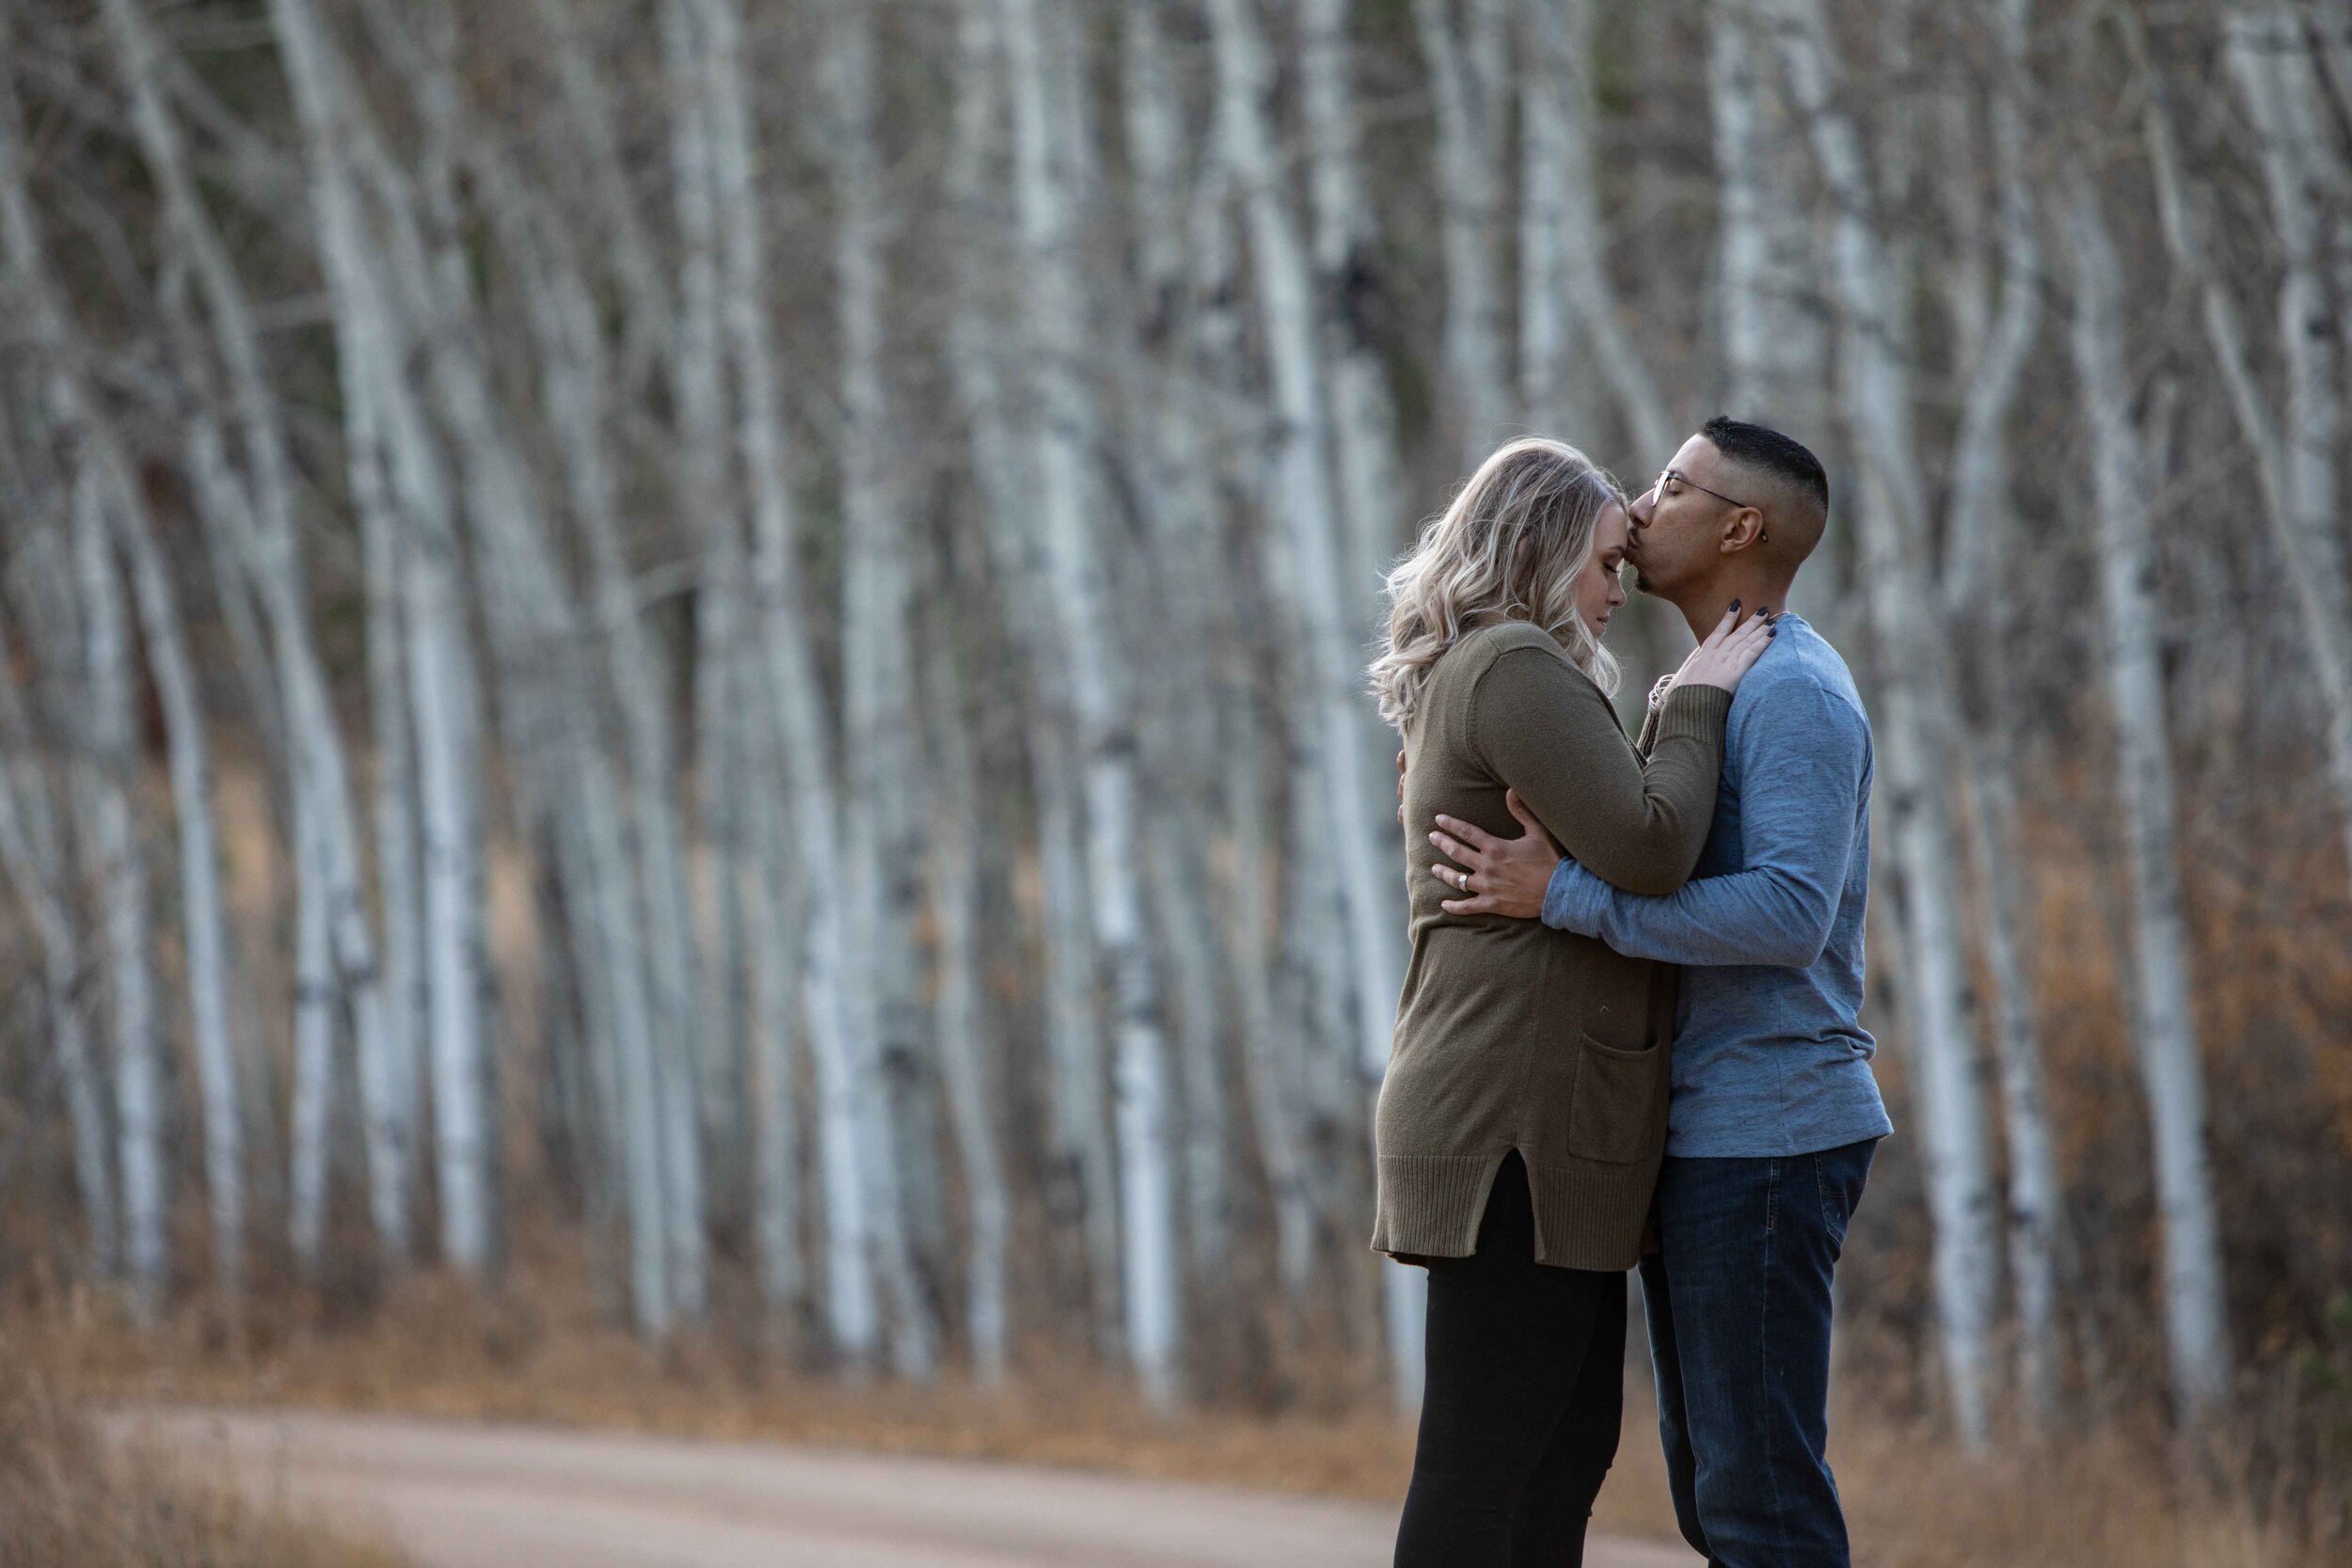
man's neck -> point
(1703, 607)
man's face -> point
(1677, 526)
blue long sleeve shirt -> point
(1770, 1057)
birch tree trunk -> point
(1176, 490)
(318, 762)
(1079, 1195)
(1248, 950)
(1776, 352)
(120, 863)
(1303, 503)
(399, 866)
(651, 323)
(331, 884)
(1090, 636)
(865, 1238)
(104, 484)
(879, 714)
(32, 849)
(1913, 708)
(1464, 59)
(529, 611)
(718, 611)
(1268, 1074)
(1559, 93)
(2034, 1195)
(1345, 244)
(106, 769)
(311, 1107)
(2294, 457)
(2196, 1322)
(368, 343)
(649, 884)
(1554, 396)
(777, 944)
(200, 893)
(2269, 55)
(966, 1043)
(1979, 533)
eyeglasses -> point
(1669, 481)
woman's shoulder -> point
(1513, 660)
(1478, 649)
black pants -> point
(1525, 1395)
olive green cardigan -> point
(1510, 1034)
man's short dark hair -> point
(1790, 462)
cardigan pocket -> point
(1613, 1112)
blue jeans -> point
(1738, 1308)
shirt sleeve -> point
(1543, 728)
(1803, 756)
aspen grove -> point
(731, 633)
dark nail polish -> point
(1765, 610)
(1735, 606)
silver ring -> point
(1463, 883)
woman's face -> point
(1598, 589)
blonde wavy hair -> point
(1469, 570)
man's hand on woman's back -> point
(1496, 876)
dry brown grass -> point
(435, 1349)
(73, 1498)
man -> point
(1773, 1113)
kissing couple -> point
(1630, 1035)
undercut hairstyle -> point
(1799, 499)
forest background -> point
(703, 661)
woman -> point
(1523, 1114)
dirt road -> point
(503, 1497)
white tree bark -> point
(369, 340)
(651, 323)
(1099, 681)
(966, 1043)
(1464, 59)
(1554, 396)
(311, 1103)
(1559, 92)
(2269, 56)
(2195, 1314)
(2035, 1217)
(1776, 352)
(318, 762)
(642, 870)
(1979, 450)
(1352, 785)
(399, 867)
(30, 851)
(106, 769)
(1176, 485)
(865, 1238)
(104, 486)
(2293, 455)
(199, 891)
(1913, 709)
(1079, 1195)
(1997, 328)
(1267, 1064)
(881, 718)
(778, 942)
(1346, 237)
(718, 668)
(108, 776)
